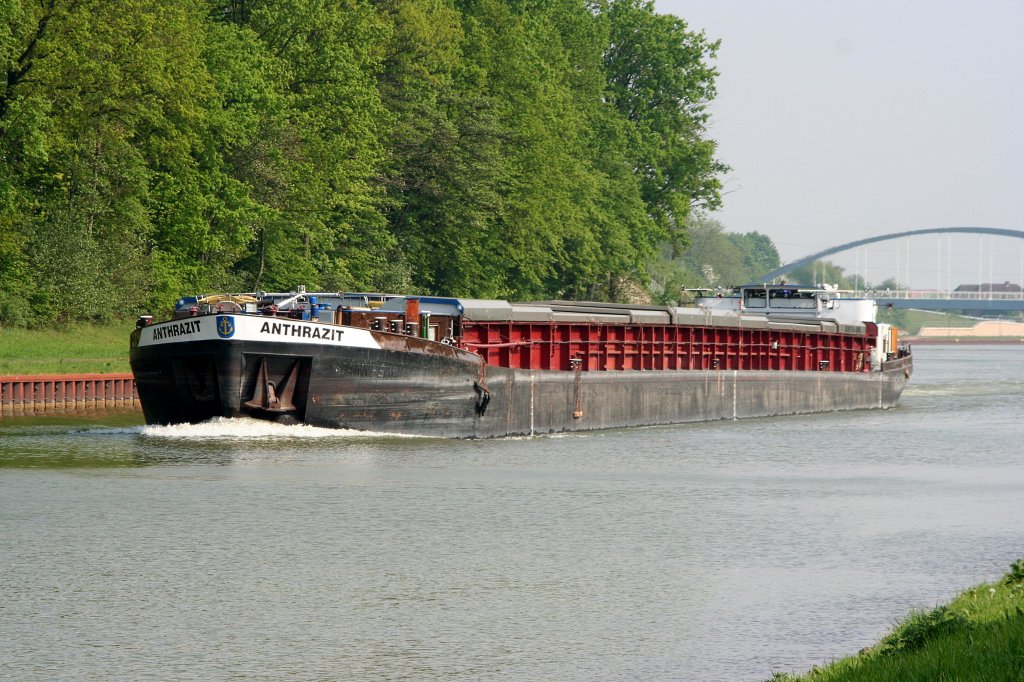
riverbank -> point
(79, 369)
(983, 332)
(963, 340)
(979, 636)
(77, 349)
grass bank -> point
(79, 349)
(978, 637)
(910, 321)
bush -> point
(1016, 574)
(921, 627)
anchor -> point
(268, 396)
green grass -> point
(71, 350)
(911, 321)
(978, 637)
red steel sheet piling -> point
(28, 394)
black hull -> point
(436, 390)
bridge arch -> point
(999, 232)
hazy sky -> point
(845, 120)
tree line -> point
(481, 148)
(713, 259)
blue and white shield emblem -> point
(225, 326)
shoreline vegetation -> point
(484, 149)
(523, 151)
(977, 637)
(75, 349)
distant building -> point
(990, 288)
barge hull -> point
(434, 390)
(536, 402)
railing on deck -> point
(27, 394)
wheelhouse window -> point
(792, 298)
(754, 298)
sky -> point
(844, 120)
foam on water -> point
(242, 428)
(249, 429)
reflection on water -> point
(718, 551)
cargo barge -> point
(472, 368)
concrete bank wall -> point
(28, 394)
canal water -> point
(722, 551)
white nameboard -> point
(254, 328)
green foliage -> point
(821, 272)
(1016, 575)
(889, 284)
(922, 627)
(827, 272)
(977, 637)
(714, 259)
(476, 147)
(759, 254)
(911, 321)
(660, 81)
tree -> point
(494, 148)
(714, 259)
(660, 80)
(312, 154)
(94, 94)
(445, 170)
(889, 284)
(759, 254)
(820, 272)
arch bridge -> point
(924, 300)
